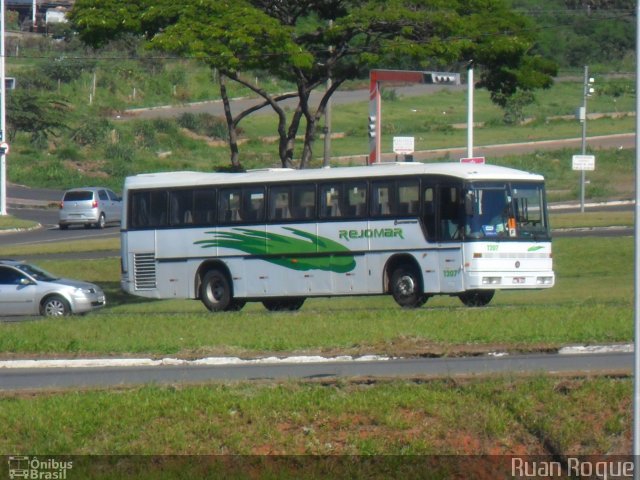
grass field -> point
(537, 415)
(517, 320)
(540, 415)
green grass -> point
(499, 416)
(9, 222)
(65, 246)
(609, 218)
(128, 147)
(515, 320)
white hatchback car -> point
(89, 206)
(28, 290)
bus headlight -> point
(544, 280)
(491, 280)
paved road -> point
(592, 363)
(215, 107)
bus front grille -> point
(144, 271)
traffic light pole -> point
(584, 132)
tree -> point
(308, 41)
(40, 114)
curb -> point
(225, 361)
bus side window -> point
(180, 207)
(253, 204)
(382, 201)
(408, 193)
(204, 206)
(330, 196)
(304, 202)
(429, 212)
(279, 203)
(229, 207)
(356, 199)
(158, 209)
(139, 210)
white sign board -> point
(403, 145)
(584, 162)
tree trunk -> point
(231, 126)
(312, 122)
(290, 140)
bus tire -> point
(215, 291)
(476, 298)
(286, 304)
(406, 287)
(236, 305)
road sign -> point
(472, 160)
(403, 145)
(583, 162)
(4, 148)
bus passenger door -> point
(449, 233)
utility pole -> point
(3, 126)
(470, 87)
(586, 92)
(636, 307)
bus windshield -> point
(506, 211)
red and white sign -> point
(472, 160)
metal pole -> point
(584, 132)
(636, 367)
(3, 127)
(470, 87)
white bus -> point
(279, 236)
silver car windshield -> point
(36, 273)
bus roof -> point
(465, 171)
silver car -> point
(89, 206)
(28, 290)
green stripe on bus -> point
(258, 242)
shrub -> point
(92, 132)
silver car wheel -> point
(55, 307)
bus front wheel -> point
(476, 298)
(405, 288)
(215, 292)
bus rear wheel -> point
(476, 298)
(405, 287)
(286, 304)
(215, 292)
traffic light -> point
(372, 126)
(590, 89)
(442, 78)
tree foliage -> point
(39, 114)
(574, 33)
(309, 41)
